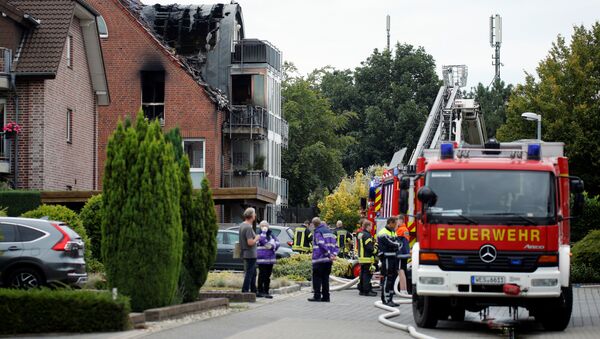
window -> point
(102, 28)
(153, 95)
(29, 234)
(69, 126)
(194, 148)
(232, 238)
(220, 237)
(8, 233)
(70, 51)
(3, 141)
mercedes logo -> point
(488, 253)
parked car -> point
(226, 240)
(36, 252)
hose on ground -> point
(345, 283)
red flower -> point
(12, 127)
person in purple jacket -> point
(267, 246)
(325, 251)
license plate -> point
(486, 280)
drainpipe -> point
(16, 136)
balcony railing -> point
(251, 119)
(260, 179)
(249, 51)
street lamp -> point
(534, 117)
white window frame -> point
(102, 23)
(4, 140)
(69, 126)
(70, 51)
(197, 169)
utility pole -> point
(495, 42)
(387, 25)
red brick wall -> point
(70, 164)
(46, 160)
(128, 50)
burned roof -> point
(187, 33)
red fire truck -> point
(493, 230)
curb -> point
(286, 289)
(163, 313)
(232, 296)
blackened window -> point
(8, 233)
(153, 95)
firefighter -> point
(403, 236)
(303, 238)
(342, 237)
(366, 250)
(388, 249)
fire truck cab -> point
(493, 230)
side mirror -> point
(576, 185)
(578, 204)
(427, 196)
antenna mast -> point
(387, 25)
(495, 42)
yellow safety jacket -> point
(302, 240)
(366, 247)
(342, 236)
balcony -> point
(254, 121)
(254, 51)
(5, 65)
(258, 179)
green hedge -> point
(91, 219)
(19, 202)
(52, 311)
(300, 267)
(588, 220)
(586, 259)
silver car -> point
(36, 252)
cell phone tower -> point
(387, 26)
(495, 42)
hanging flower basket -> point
(11, 129)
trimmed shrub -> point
(44, 310)
(341, 268)
(141, 221)
(582, 225)
(297, 265)
(585, 266)
(91, 219)
(66, 215)
(18, 202)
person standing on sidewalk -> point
(342, 236)
(366, 247)
(248, 241)
(267, 246)
(325, 251)
(403, 253)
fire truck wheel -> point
(555, 315)
(424, 311)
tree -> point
(91, 219)
(312, 162)
(344, 203)
(565, 92)
(390, 95)
(204, 240)
(141, 223)
(492, 101)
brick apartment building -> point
(52, 82)
(181, 65)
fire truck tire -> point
(424, 311)
(556, 313)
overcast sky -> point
(342, 33)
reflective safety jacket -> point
(366, 248)
(324, 247)
(342, 236)
(302, 239)
(388, 243)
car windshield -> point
(490, 196)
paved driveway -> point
(351, 316)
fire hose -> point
(392, 311)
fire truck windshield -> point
(492, 197)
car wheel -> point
(25, 278)
(424, 310)
(555, 314)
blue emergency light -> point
(534, 151)
(516, 262)
(447, 151)
(460, 260)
